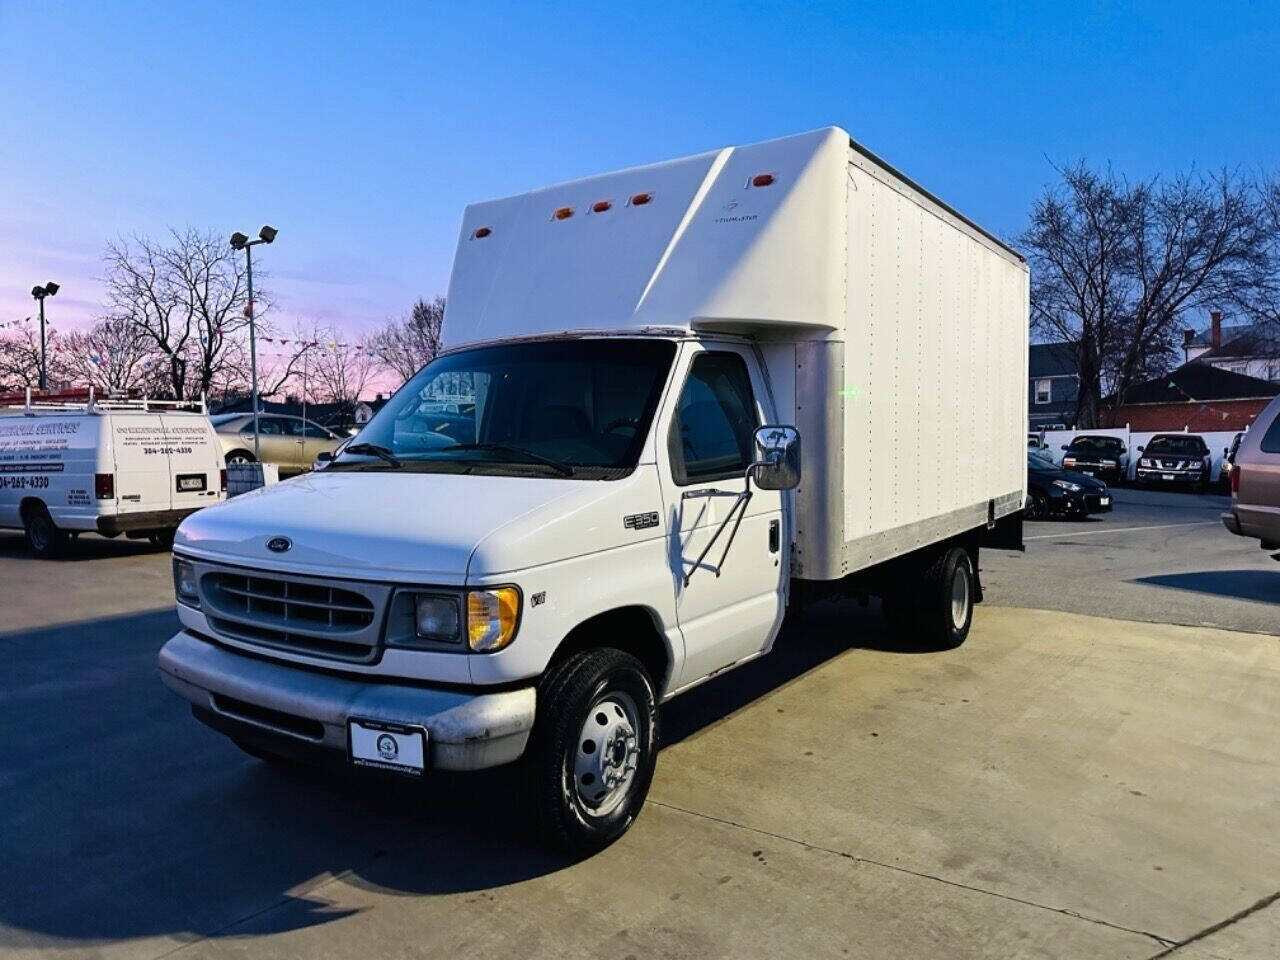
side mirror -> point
(777, 465)
(324, 456)
(1066, 446)
(1141, 448)
(1123, 448)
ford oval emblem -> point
(279, 544)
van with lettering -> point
(674, 403)
(112, 467)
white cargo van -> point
(616, 506)
(109, 466)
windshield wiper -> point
(375, 450)
(558, 465)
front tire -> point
(239, 456)
(44, 539)
(1037, 507)
(593, 750)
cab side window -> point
(712, 432)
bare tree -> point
(340, 370)
(187, 294)
(20, 360)
(1115, 266)
(406, 346)
(114, 355)
(1078, 249)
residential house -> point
(1054, 383)
(1250, 349)
(1197, 396)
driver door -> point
(732, 605)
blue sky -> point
(361, 130)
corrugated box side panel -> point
(935, 374)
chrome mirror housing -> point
(777, 465)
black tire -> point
(946, 600)
(44, 539)
(1037, 506)
(163, 538)
(576, 697)
(239, 456)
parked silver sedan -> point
(291, 443)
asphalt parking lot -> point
(1093, 774)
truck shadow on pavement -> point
(88, 546)
(121, 817)
(1259, 585)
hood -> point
(418, 527)
(1071, 476)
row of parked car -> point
(1168, 459)
(1250, 473)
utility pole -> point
(240, 242)
(48, 290)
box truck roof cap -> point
(748, 239)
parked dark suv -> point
(1098, 456)
(1175, 458)
(1255, 482)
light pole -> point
(48, 290)
(240, 242)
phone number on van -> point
(23, 483)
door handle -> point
(775, 536)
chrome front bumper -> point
(465, 730)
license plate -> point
(1166, 476)
(395, 747)
(1106, 501)
(190, 481)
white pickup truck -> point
(596, 498)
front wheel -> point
(1037, 507)
(593, 749)
(239, 456)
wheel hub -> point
(959, 598)
(607, 753)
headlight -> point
(184, 583)
(1110, 463)
(492, 618)
(1067, 485)
(1144, 462)
(435, 617)
(1068, 461)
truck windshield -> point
(578, 408)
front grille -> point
(328, 619)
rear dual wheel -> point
(935, 612)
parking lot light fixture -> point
(40, 293)
(240, 241)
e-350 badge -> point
(641, 521)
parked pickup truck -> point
(695, 393)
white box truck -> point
(596, 498)
(132, 467)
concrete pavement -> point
(1061, 786)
